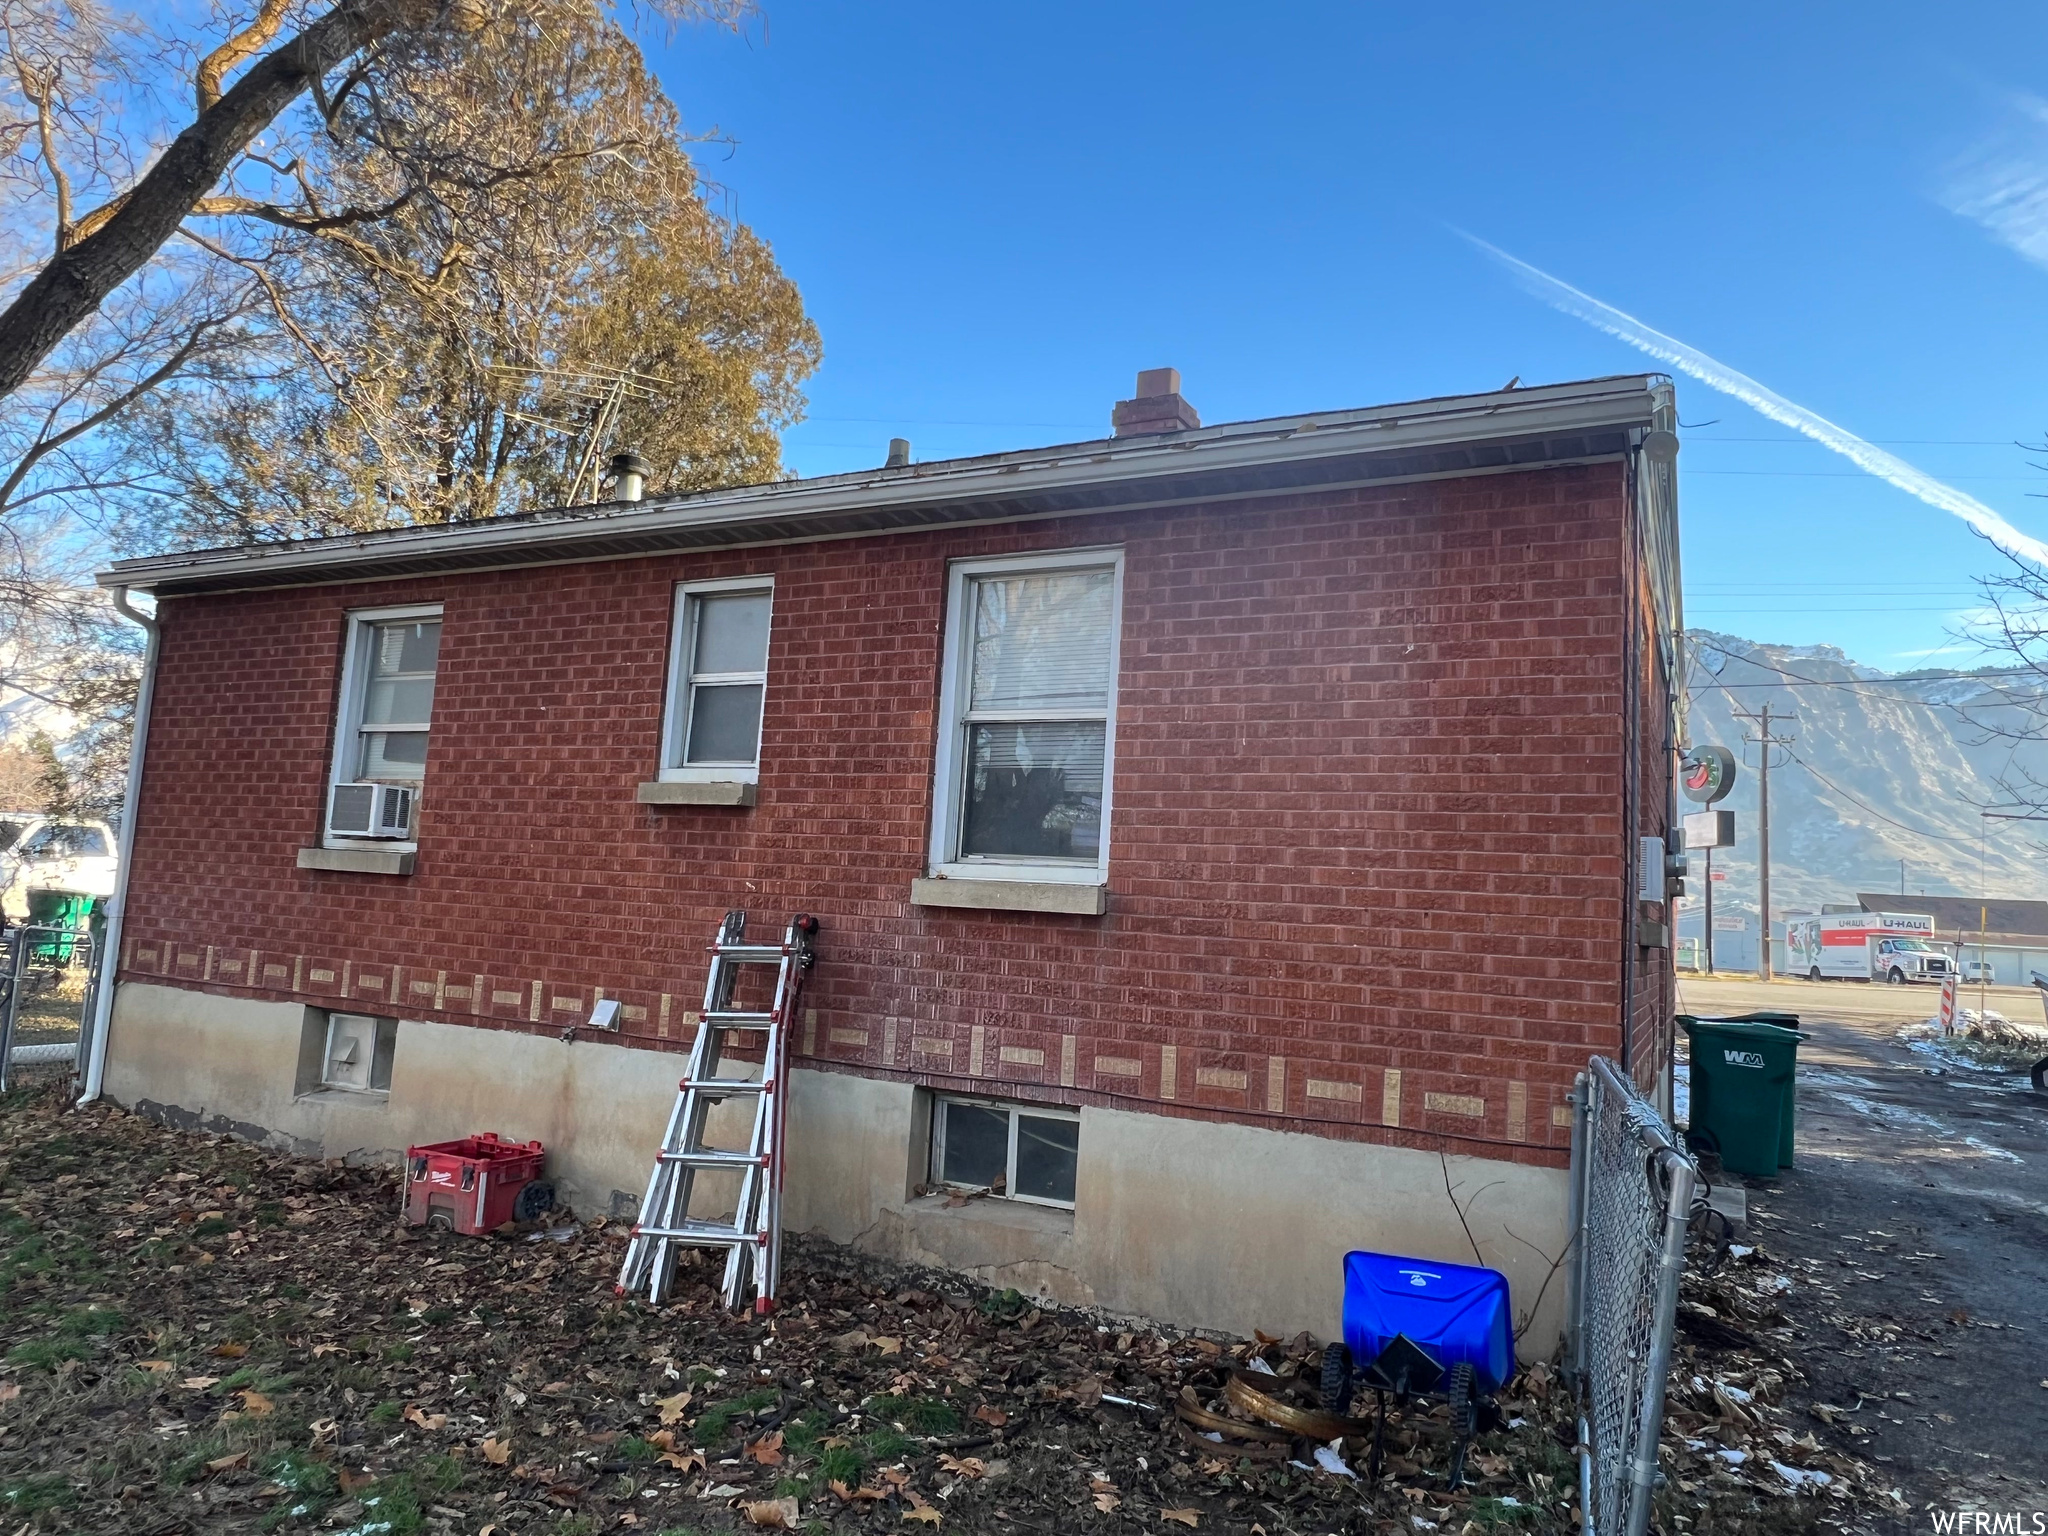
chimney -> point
(1157, 408)
(899, 453)
(629, 476)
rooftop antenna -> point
(582, 405)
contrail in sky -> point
(1865, 456)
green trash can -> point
(71, 911)
(1788, 1022)
(1743, 1072)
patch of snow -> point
(1801, 1477)
(1988, 1150)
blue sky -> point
(998, 215)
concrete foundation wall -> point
(1190, 1221)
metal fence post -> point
(1575, 1299)
(1633, 1204)
(1678, 1173)
(16, 952)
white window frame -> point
(676, 707)
(949, 775)
(348, 717)
(1014, 1110)
(380, 1028)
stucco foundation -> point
(1213, 1225)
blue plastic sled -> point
(1417, 1327)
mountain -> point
(1882, 767)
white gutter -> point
(110, 960)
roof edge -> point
(1537, 427)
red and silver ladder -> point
(753, 1237)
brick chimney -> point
(1157, 408)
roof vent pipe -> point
(629, 476)
(899, 453)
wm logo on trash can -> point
(1743, 1058)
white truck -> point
(1893, 947)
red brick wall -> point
(1368, 814)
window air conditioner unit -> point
(370, 810)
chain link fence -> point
(49, 976)
(1632, 1194)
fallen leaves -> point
(920, 1510)
(228, 1463)
(414, 1414)
(496, 1451)
(767, 1451)
(775, 1514)
(672, 1408)
(199, 1383)
(856, 1495)
(969, 1467)
(255, 1404)
(229, 1351)
(155, 1367)
(1187, 1517)
(995, 1418)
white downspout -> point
(110, 962)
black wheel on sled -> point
(1464, 1398)
(1336, 1379)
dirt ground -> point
(1912, 1229)
(203, 1336)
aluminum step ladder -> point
(753, 1238)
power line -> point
(1939, 837)
(1889, 442)
(1764, 781)
(1796, 679)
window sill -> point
(1012, 895)
(704, 792)
(369, 1098)
(1019, 1215)
(359, 861)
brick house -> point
(1225, 838)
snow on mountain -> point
(1882, 767)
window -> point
(1028, 714)
(718, 671)
(359, 1052)
(387, 697)
(1019, 1152)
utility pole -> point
(1765, 740)
(1710, 912)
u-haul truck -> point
(1895, 947)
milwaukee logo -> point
(1742, 1058)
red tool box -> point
(476, 1184)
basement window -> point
(1015, 1151)
(358, 1053)
(718, 681)
(1028, 718)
